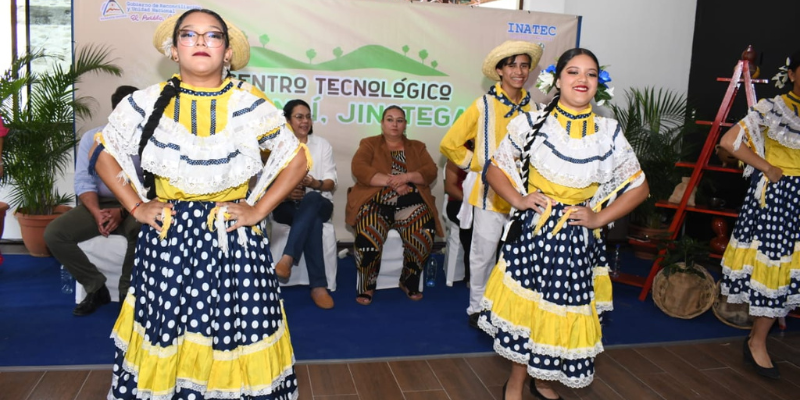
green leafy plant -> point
(40, 110)
(655, 122)
(681, 255)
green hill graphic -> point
(370, 56)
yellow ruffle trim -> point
(256, 366)
(740, 260)
(549, 324)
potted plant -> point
(683, 288)
(40, 110)
(655, 122)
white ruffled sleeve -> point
(768, 118)
(283, 146)
(626, 171)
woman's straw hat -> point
(162, 41)
(508, 49)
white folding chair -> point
(107, 254)
(454, 252)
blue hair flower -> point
(604, 77)
(547, 80)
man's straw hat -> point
(507, 49)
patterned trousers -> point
(416, 227)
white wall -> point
(550, 6)
(644, 43)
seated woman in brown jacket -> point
(392, 191)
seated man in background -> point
(98, 213)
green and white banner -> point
(348, 59)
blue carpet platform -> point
(37, 327)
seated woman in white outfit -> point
(308, 206)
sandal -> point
(415, 295)
(364, 299)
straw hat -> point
(507, 49)
(162, 41)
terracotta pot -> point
(3, 209)
(645, 241)
(32, 229)
(720, 242)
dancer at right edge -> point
(761, 265)
(567, 173)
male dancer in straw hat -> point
(484, 123)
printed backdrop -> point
(348, 59)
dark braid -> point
(530, 136)
(794, 61)
(169, 91)
(515, 229)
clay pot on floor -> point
(645, 241)
(3, 209)
(32, 230)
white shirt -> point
(324, 167)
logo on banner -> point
(372, 56)
(140, 11)
(425, 99)
(525, 31)
(111, 10)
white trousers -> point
(487, 228)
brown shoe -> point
(321, 298)
(283, 268)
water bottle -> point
(430, 272)
(615, 266)
(67, 282)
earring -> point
(226, 69)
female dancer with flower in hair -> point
(544, 297)
(203, 318)
(761, 265)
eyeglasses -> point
(302, 117)
(212, 39)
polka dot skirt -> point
(560, 267)
(556, 273)
(760, 265)
(194, 314)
